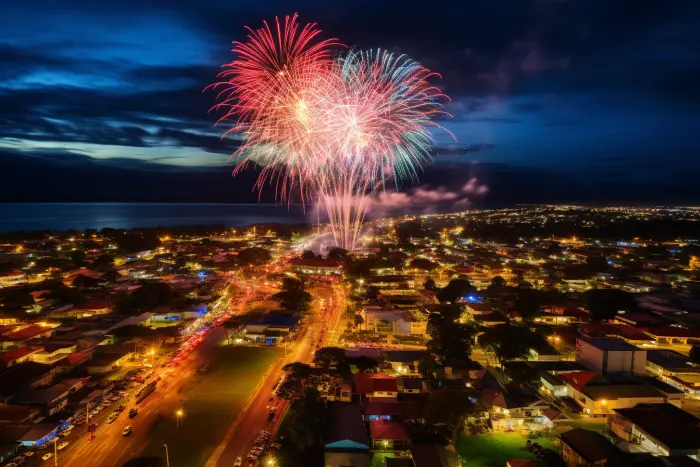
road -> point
(322, 329)
(156, 420)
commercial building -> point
(660, 429)
(610, 356)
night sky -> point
(554, 100)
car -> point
(62, 445)
(239, 462)
(65, 433)
(112, 418)
(121, 408)
(47, 456)
(133, 412)
(126, 431)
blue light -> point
(471, 298)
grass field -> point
(494, 449)
(216, 401)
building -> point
(610, 356)
(581, 448)
(676, 370)
(602, 399)
(660, 429)
(345, 442)
(376, 386)
(389, 435)
(23, 375)
(317, 266)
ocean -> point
(80, 216)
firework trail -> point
(336, 128)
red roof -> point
(26, 333)
(619, 330)
(390, 430)
(363, 383)
(12, 355)
(479, 306)
(384, 384)
(577, 379)
(671, 331)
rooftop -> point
(671, 426)
(344, 423)
(609, 344)
(388, 430)
(589, 445)
(620, 391)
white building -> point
(611, 356)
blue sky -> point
(597, 90)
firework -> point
(336, 128)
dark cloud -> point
(598, 89)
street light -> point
(167, 459)
(179, 415)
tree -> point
(85, 282)
(332, 360)
(308, 254)
(110, 276)
(455, 290)
(358, 320)
(694, 354)
(372, 292)
(296, 379)
(337, 253)
(498, 282)
(151, 295)
(426, 367)
(429, 284)
(103, 262)
(423, 264)
(510, 342)
(254, 256)
(604, 304)
(448, 406)
(522, 374)
(306, 417)
(134, 242)
(449, 312)
(68, 294)
(451, 343)
(77, 257)
(364, 363)
(294, 300)
(528, 303)
(16, 297)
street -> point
(322, 329)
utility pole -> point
(167, 459)
(55, 451)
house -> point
(392, 410)
(552, 418)
(672, 334)
(18, 377)
(433, 455)
(107, 359)
(675, 370)
(602, 399)
(411, 385)
(610, 356)
(471, 310)
(404, 361)
(16, 356)
(627, 333)
(512, 410)
(51, 399)
(54, 351)
(660, 429)
(24, 334)
(345, 442)
(340, 392)
(389, 435)
(376, 386)
(18, 414)
(581, 447)
(553, 385)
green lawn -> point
(494, 449)
(378, 458)
(588, 423)
(216, 401)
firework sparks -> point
(337, 128)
